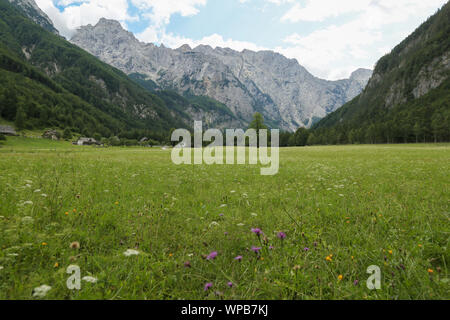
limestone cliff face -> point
(32, 11)
(281, 89)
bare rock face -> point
(32, 11)
(281, 89)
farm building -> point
(8, 131)
(87, 142)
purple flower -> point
(230, 284)
(212, 255)
(225, 233)
(256, 249)
(221, 215)
(238, 258)
(356, 282)
(208, 286)
(306, 249)
(257, 231)
(281, 235)
(271, 247)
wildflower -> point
(306, 249)
(37, 190)
(271, 247)
(238, 258)
(430, 271)
(213, 224)
(257, 231)
(66, 213)
(171, 255)
(208, 286)
(187, 264)
(356, 282)
(329, 258)
(41, 291)
(340, 277)
(254, 215)
(116, 203)
(230, 284)
(212, 255)
(281, 235)
(256, 249)
(74, 210)
(296, 268)
(28, 202)
(225, 233)
(420, 246)
(390, 251)
(90, 279)
(131, 252)
(27, 220)
(56, 265)
(1, 268)
(75, 245)
(44, 195)
(44, 244)
(240, 224)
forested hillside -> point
(49, 82)
(407, 98)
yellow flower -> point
(420, 246)
(44, 243)
(116, 203)
(340, 277)
(170, 254)
(390, 251)
(329, 258)
(430, 271)
(66, 213)
(74, 210)
(56, 265)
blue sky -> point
(330, 38)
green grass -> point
(353, 202)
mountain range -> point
(283, 91)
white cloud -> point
(359, 32)
(333, 51)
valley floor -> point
(342, 209)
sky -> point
(330, 38)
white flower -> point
(223, 206)
(1, 268)
(44, 195)
(232, 191)
(37, 190)
(213, 224)
(28, 202)
(41, 291)
(28, 181)
(12, 254)
(240, 224)
(131, 252)
(254, 215)
(90, 279)
(27, 220)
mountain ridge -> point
(281, 89)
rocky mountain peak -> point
(281, 89)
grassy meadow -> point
(342, 210)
